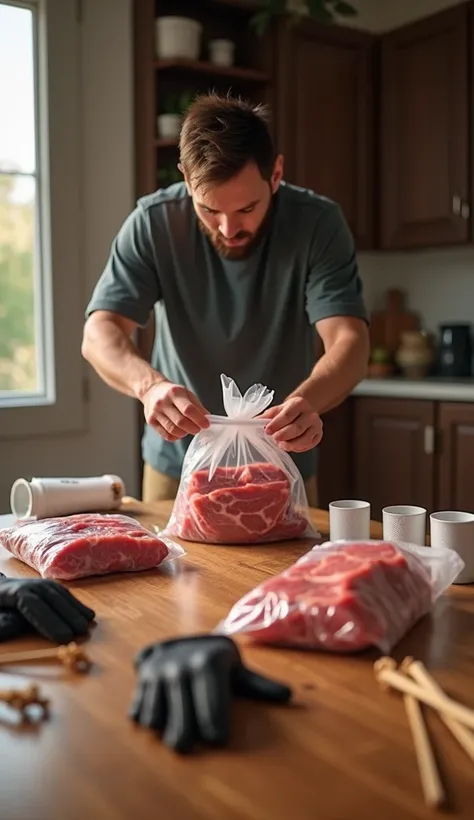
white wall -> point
(111, 440)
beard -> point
(242, 251)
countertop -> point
(434, 388)
(341, 751)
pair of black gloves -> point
(185, 686)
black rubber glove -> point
(46, 606)
(185, 688)
(12, 625)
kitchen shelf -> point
(204, 67)
(239, 5)
(249, 6)
(166, 142)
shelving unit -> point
(205, 67)
(160, 82)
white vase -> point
(178, 37)
(221, 52)
(169, 125)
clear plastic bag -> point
(346, 596)
(76, 546)
(237, 486)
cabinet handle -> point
(465, 210)
(429, 439)
(457, 205)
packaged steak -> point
(346, 596)
(76, 546)
(237, 486)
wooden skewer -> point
(430, 779)
(418, 672)
(69, 654)
(20, 700)
(387, 674)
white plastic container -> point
(178, 37)
(169, 125)
(221, 52)
(49, 497)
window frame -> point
(58, 175)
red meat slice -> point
(344, 600)
(76, 546)
(232, 514)
(246, 504)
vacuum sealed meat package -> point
(76, 546)
(346, 596)
(237, 486)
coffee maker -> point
(455, 350)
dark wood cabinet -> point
(424, 132)
(394, 452)
(325, 117)
(456, 456)
(335, 455)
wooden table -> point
(342, 751)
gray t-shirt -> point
(251, 319)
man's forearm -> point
(335, 375)
(116, 360)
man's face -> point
(235, 214)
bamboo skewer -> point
(418, 672)
(69, 654)
(430, 779)
(387, 674)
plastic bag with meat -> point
(346, 596)
(76, 546)
(237, 486)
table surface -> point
(341, 751)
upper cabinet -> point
(324, 108)
(424, 178)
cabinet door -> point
(325, 117)
(335, 462)
(456, 457)
(424, 132)
(394, 444)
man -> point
(241, 269)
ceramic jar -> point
(414, 356)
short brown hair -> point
(220, 135)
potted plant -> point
(323, 11)
(174, 107)
(380, 364)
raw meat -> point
(76, 546)
(345, 597)
(246, 504)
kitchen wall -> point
(439, 283)
(109, 444)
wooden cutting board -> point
(388, 324)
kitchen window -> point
(41, 299)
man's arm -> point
(335, 305)
(123, 301)
(341, 367)
(108, 346)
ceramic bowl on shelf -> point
(221, 52)
(178, 37)
(169, 126)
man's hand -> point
(173, 411)
(294, 425)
